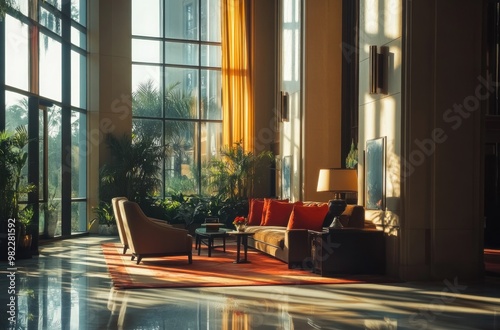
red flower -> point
(239, 221)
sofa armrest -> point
(355, 215)
(299, 248)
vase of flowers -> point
(240, 223)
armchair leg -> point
(138, 259)
(132, 257)
(190, 258)
(125, 247)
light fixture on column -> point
(378, 70)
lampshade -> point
(338, 180)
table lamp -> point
(338, 181)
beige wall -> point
(434, 168)
(321, 116)
(380, 114)
(264, 48)
(442, 218)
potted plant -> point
(13, 185)
(232, 178)
(106, 220)
(26, 231)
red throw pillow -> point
(255, 212)
(307, 217)
(266, 207)
(278, 213)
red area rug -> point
(492, 262)
(216, 271)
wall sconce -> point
(284, 105)
(378, 70)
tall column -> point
(110, 81)
(441, 163)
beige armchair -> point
(147, 238)
(119, 222)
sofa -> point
(286, 237)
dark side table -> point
(241, 239)
(348, 251)
(204, 236)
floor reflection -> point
(68, 287)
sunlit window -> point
(45, 86)
(176, 85)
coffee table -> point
(207, 237)
(241, 239)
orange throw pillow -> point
(266, 207)
(255, 212)
(307, 217)
(278, 213)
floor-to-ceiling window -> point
(44, 60)
(176, 85)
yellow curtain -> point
(237, 99)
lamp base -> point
(336, 224)
(335, 209)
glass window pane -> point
(22, 6)
(181, 21)
(211, 98)
(78, 38)
(53, 206)
(16, 53)
(150, 127)
(50, 67)
(78, 155)
(211, 56)
(211, 144)
(55, 3)
(211, 141)
(79, 11)
(50, 21)
(41, 153)
(78, 80)
(78, 217)
(146, 18)
(210, 20)
(16, 110)
(189, 90)
(146, 51)
(147, 99)
(181, 53)
(181, 93)
(142, 74)
(181, 170)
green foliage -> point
(230, 180)
(352, 158)
(104, 214)
(5, 6)
(13, 157)
(234, 174)
(26, 217)
(134, 169)
(193, 209)
(148, 101)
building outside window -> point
(176, 85)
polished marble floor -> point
(68, 287)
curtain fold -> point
(237, 98)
